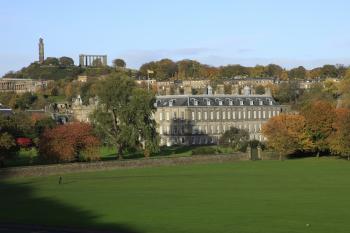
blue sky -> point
(247, 32)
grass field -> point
(242, 197)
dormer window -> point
(208, 102)
(240, 102)
(171, 102)
(260, 102)
(195, 102)
(220, 102)
(270, 102)
(251, 102)
(230, 102)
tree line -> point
(167, 69)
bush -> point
(66, 143)
(204, 151)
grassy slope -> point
(261, 196)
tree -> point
(66, 143)
(287, 92)
(297, 73)
(286, 133)
(124, 114)
(119, 63)
(260, 90)
(235, 137)
(273, 70)
(339, 141)
(344, 90)
(97, 62)
(26, 100)
(329, 71)
(319, 118)
(66, 61)
(13, 127)
(51, 61)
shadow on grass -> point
(23, 211)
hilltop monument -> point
(41, 50)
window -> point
(239, 114)
(217, 129)
(270, 102)
(205, 116)
(193, 116)
(230, 102)
(241, 102)
(260, 102)
(269, 114)
(251, 102)
(211, 115)
(254, 113)
(223, 115)
(182, 115)
(212, 129)
(195, 102)
(248, 114)
(167, 116)
(274, 113)
(160, 129)
(174, 115)
(228, 115)
(233, 115)
(243, 114)
(220, 102)
(217, 115)
(206, 129)
(224, 129)
(160, 116)
(170, 103)
(199, 115)
(208, 102)
(264, 114)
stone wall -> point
(58, 169)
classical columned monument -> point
(91, 60)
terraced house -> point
(202, 119)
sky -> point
(247, 32)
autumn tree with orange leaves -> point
(286, 133)
(70, 142)
(319, 118)
(339, 141)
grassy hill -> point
(304, 195)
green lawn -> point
(242, 197)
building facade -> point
(21, 85)
(202, 119)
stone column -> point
(249, 152)
(259, 152)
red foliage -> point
(67, 142)
(24, 142)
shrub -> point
(204, 151)
(66, 143)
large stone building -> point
(202, 119)
(21, 85)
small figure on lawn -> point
(60, 180)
